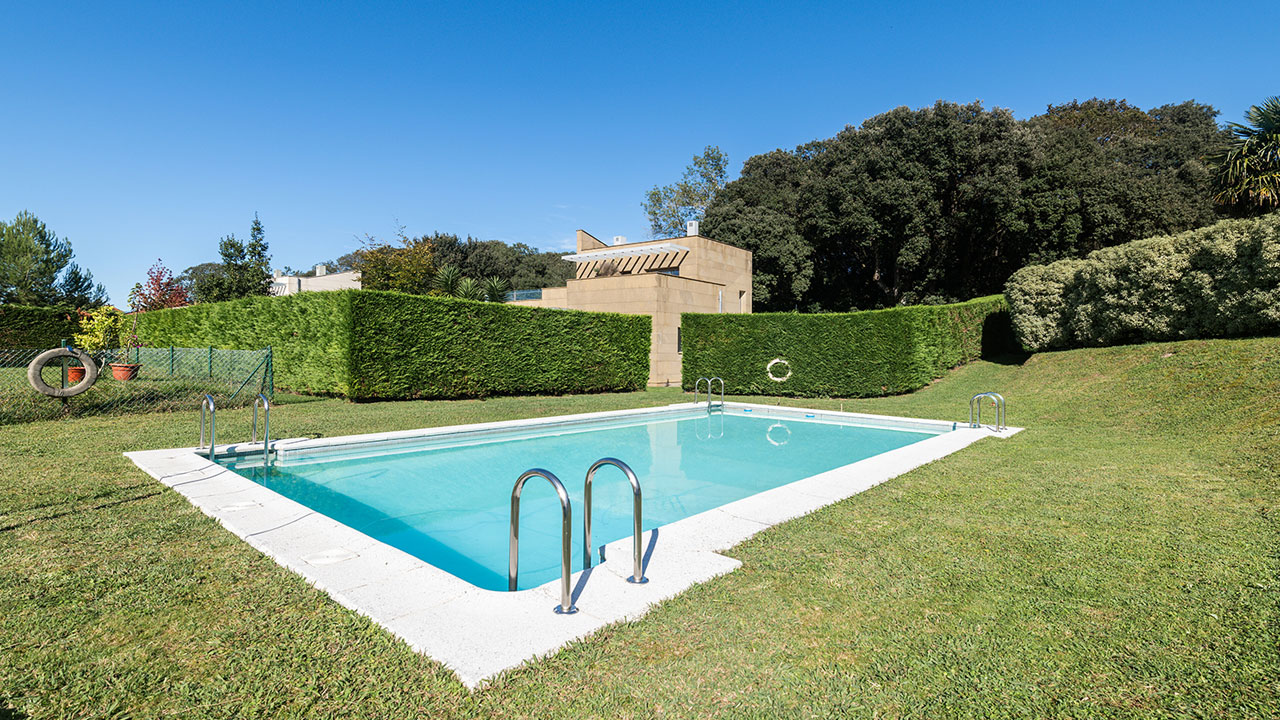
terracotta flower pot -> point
(75, 374)
(124, 371)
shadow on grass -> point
(8, 712)
(55, 516)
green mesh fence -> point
(166, 379)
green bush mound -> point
(366, 344)
(859, 354)
(1219, 281)
(26, 326)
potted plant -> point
(103, 335)
(128, 370)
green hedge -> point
(366, 344)
(879, 352)
(1218, 281)
(25, 326)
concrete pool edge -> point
(479, 633)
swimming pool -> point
(417, 536)
(446, 500)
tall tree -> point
(669, 207)
(37, 267)
(1247, 172)
(160, 290)
(245, 270)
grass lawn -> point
(1120, 558)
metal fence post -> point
(210, 361)
(170, 361)
(271, 372)
(64, 365)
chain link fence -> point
(166, 379)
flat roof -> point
(621, 251)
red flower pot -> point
(124, 371)
(75, 374)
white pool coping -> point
(479, 633)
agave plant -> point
(496, 289)
(447, 280)
(1248, 171)
(469, 289)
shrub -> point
(26, 326)
(100, 330)
(366, 344)
(1219, 281)
(876, 352)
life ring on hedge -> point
(44, 358)
(778, 361)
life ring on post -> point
(44, 358)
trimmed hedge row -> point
(1218, 281)
(310, 334)
(26, 326)
(366, 344)
(860, 354)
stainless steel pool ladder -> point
(975, 409)
(266, 426)
(207, 404)
(566, 536)
(637, 568)
(698, 384)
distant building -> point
(658, 278)
(321, 280)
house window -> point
(668, 271)
(679, 341)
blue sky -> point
(145, 131)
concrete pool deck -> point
(478, 633)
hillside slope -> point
(1120, 558)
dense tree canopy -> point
(521, 266)
(37, 267)
(944, 203)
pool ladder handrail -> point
(698, 384)
(637, 568)
(975, 418)
(566, 536)
(266, 426)
(207, 404)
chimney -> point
(275, 274)
(691, 228)
(321, 271)
(619, 239)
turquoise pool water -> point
(447, 502)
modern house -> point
(658, 278)
(322, 279)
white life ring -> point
(768, 434)
(44, 358)
(778, 361)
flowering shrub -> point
(1219, 281)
